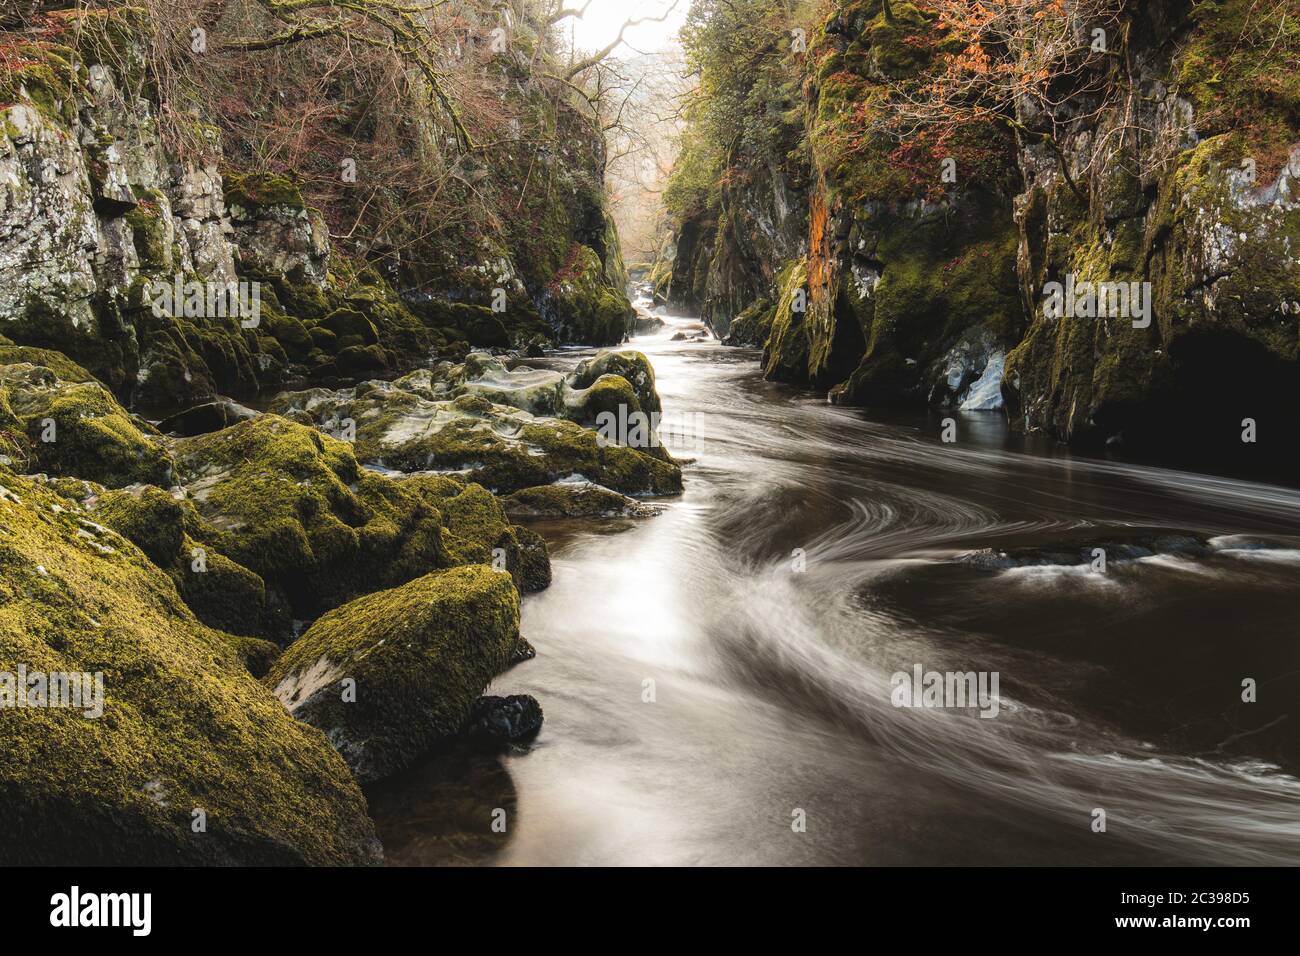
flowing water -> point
(714, 675)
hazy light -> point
(604, 17)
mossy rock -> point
(632, 366)
(360, 359)
(572, 499)
(63, 367)
(476, 530)
(79, 430)
(294, 506)
(539, 391)
(257, 190)
(500, 447)
(349, 323)
(222, 594)
(584, 306)
(185, 727)
(417, 657)
(751, 328)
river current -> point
(719, 680)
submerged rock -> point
(185, 733)
(390, 674)
(504, 720)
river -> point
(717, 679)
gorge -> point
(424, 523)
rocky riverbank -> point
(375, 605)
(276, 606)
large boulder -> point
(190, 762)
(79, 429)
(392, 673)
(294, 506)
(632, 366)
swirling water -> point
(713, 674)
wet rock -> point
(647, 324)
(501, 447)
(205, 418)
(629, 365)
(574, 499)
(500, 721)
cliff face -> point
(100, 209)
(1199, 205)
(915, 267)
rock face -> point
(100, 212)
(860, 271)
(184, 727)
(417, 657)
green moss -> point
(222, 594)
(586, 307)
(184, 725)
(149, 233)
(42, 75)
(420, 655)
(631, 366)
(294, 506)
(753, 325)
(572, 500)
(58, 363)
(256, 190)
(789, 345)
(79, 429)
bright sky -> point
(604, 17)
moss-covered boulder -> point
(190, 762)
(78, 429)
(221, 593)
(502, 448)
(631, 366)
(294, 506)
(392, 673)
(63, 367)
